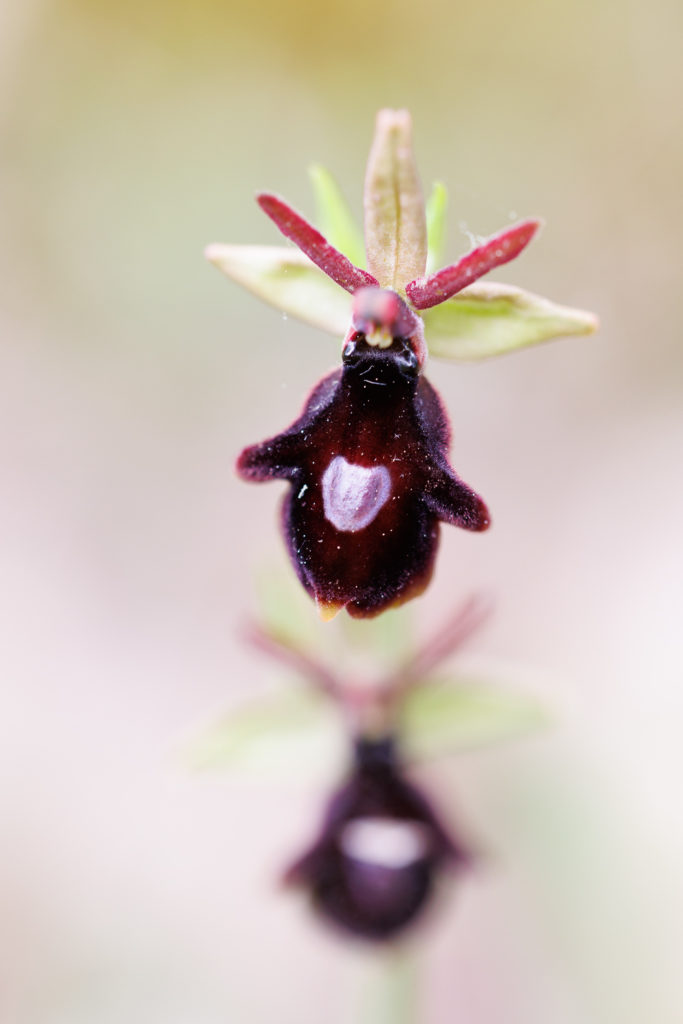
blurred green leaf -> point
(335, 220)
(488, 319)
(388, 639)
(437, 204)
(285, 611)
(286, 279)
(446, 716)
(290, 731)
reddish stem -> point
(314, 245)
(424, 292)
(286, 653)
(367, 710)
(452, 635)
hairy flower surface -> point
(369, 481)
(373, 867)
(367, 460)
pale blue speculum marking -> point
(386, 842)
(353, 495)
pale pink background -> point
(131, 374)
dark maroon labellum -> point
(374, 865)
(370, 480)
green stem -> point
(390, 989)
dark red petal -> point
(314, 245)
(388, 562)
(430, 291)
(369, 481)
(456, 503)
(276, 459)
(279, 457)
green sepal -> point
(395, 224)
(287, 280)
(488, 319)
(290, 732)
(445, 716)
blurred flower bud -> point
(373, 868)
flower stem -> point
(390, 991)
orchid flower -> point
(367, 460)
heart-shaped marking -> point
(353, 495)
(387, 842)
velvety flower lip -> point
(369, 481)
(373, 867)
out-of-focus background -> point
(132, 373)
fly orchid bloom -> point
(367, 460)
(373, 867)
(381, 850)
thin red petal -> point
(314, 245)
(430, 291)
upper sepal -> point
(395, 223)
